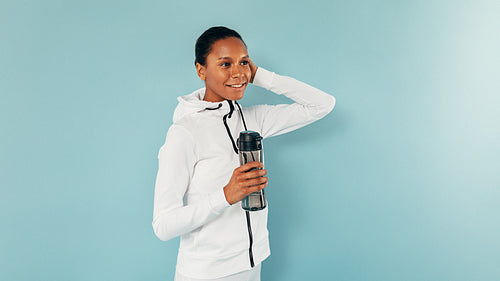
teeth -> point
(236, 86)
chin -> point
(236, 96)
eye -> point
(225, 64)
(245, 62)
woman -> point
(199, 184)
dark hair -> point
(204, 43)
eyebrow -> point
(228, 58)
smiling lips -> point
(236, 85)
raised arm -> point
(310, 104)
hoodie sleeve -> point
(310, 104)
(171, 217)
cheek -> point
(215, 77)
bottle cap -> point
(249, 140)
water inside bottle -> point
(254, 201)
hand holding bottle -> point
(244, 182)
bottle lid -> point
(249, 140)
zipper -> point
(224, 120)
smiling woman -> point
(227, 70)
(199, 186)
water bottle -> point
(250, 149)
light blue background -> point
(400, 182)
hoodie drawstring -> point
(224, 119)
(214, 108)
(228, 115)
(241, 114)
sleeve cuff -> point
(218, 202)
(263, 78)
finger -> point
(249, 166)
(254, 174)
(253, 64)
(256, 188)
(255, 181)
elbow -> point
(326, 107)
(330, 104)
(160, 232)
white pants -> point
(248, 275)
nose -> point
(236, 71)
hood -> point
(194, 103)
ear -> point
(200, 69)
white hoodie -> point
(197, 161)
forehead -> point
(228, 47)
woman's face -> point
(227, 70)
